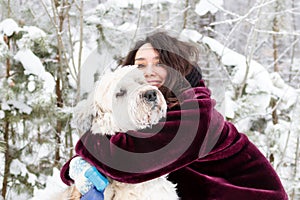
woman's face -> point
(147, 60)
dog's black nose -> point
(150, 95)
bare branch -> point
(239, 18)
(178, 14)
(251, 38)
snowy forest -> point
(52, 51)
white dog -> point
(123, 101)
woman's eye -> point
(121, 93)
(141, 65)
(159, 64)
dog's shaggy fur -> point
(120, 101)
(123, 101)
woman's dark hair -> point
(180, 59)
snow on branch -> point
(33, 65)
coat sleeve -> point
(136, 156)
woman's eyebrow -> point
(137, 59)
(141, 58)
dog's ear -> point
(103, 124)
(87, 115)
(83, 114)
(100, 104)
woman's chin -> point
(156, 85)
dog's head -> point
(121, 101)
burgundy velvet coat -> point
(202, 153)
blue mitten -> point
(93, 194)
(94, 176)
(86, 176)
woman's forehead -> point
(146, 52)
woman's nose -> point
(148, 70)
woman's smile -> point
(156, 83)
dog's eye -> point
(140, 81)
(121, 93)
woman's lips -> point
(154, 83)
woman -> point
(203, 154)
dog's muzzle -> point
(150, 96)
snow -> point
(288, 96)
(193, 35)
(34, 32)
(93, 20)
(9, 27)
(42, 152)
(30, 62)
(33, 65)
(49, 83)
(31, 84)
(258, 80)
(101, 9)
(205, 6)
(5, 106)
(256, 72)
(21, 106)
(54, 186)
(17, 167)
(127, 27)
(230, 106)
(2, 114)
(95, 63)
(134, 3)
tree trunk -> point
(6, 130)
(58, 128)
(7, 159)
(59, 79)
(294, 28)
(69, 141)
(294, 191)
(7, 42)
(80, 52)
(8, 9)
(275, 29)
(275, 48)
(274, 112)
(185, 15)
